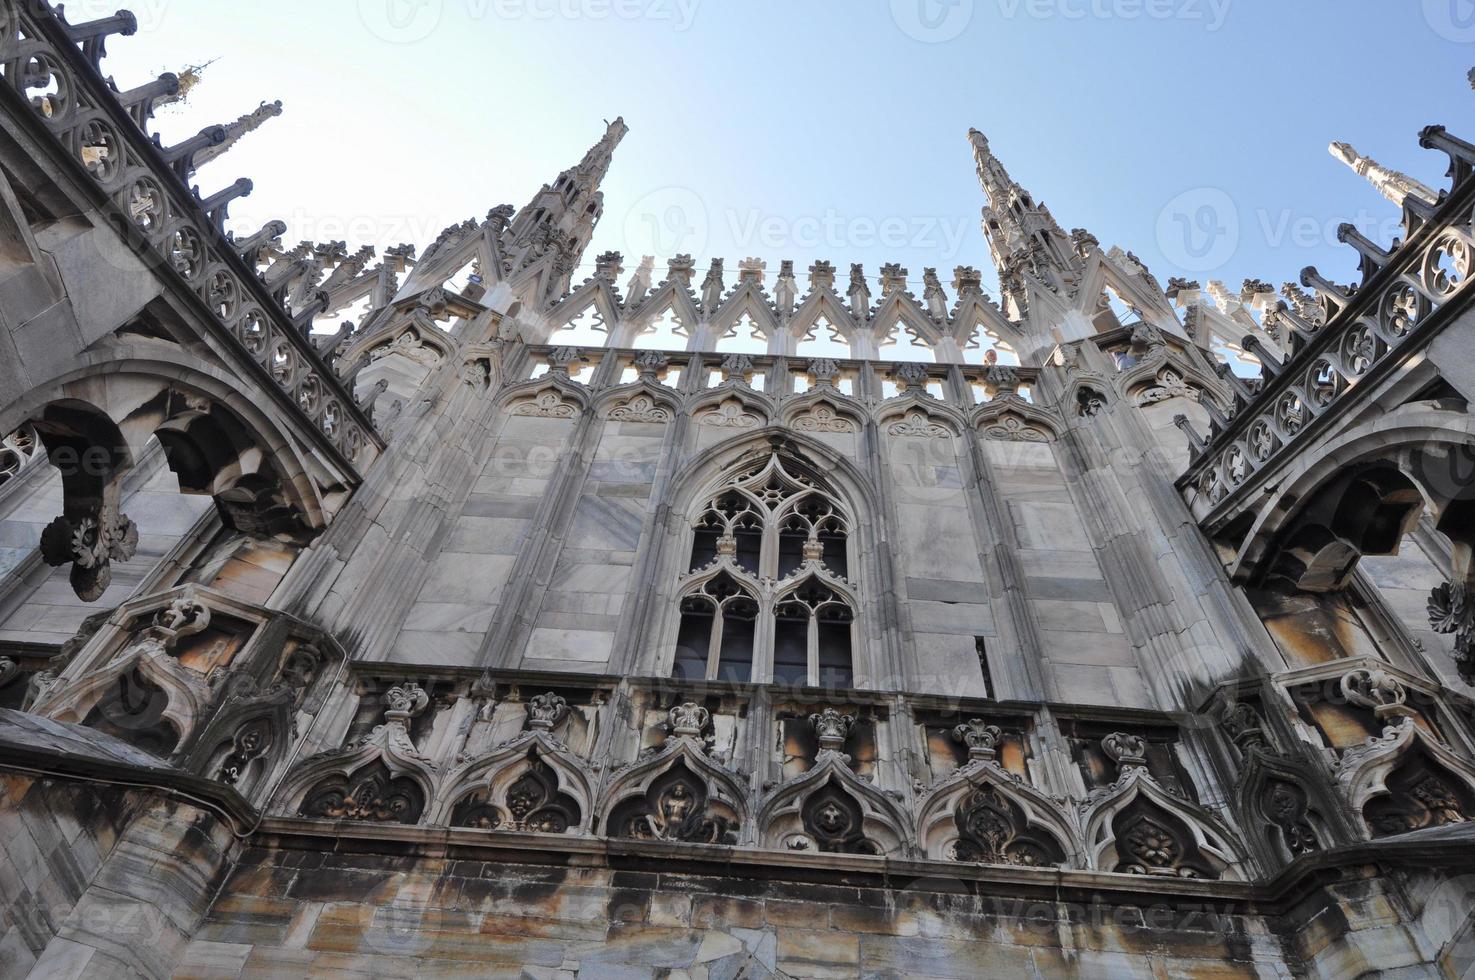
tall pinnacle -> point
(559, 221)
(1022, 235)
(1396, 187)
(250, 122)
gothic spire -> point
(1022, 234)
(560, 219)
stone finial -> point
(1184, 292)
(640, 280)
(981, 738)
(832, 727)
(1243, 724)
(545, 711)
(893, 279)
(1395, 186)
(752, 270)
(1085, 242)
(1126, 750)
(857, 277)
(650, 364)
(499, 217)
(561, 360)
(609, 265)
(737, 367)
(712, 286)
(822, 274)
(824, 371)
(681, 269)
(966, 280)
(934, 296)
(911, 376)
(404, 701)
(1000, 379)
(1304, 304)
(687, 720)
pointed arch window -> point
(766, 597)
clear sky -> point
(1191, 132)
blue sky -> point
(834, 129)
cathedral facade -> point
(360, 616)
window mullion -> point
(813, 645)
(714, 645)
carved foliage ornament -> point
(1452, 611)
(1012, 428)
(370, 794)
(731, 414)
(1285, 805)
(822, 418)
(547, 404)
(640, 408)
(981, 738)
(992, 830)
(90, 543)
(917, 423)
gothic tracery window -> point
(766, 596)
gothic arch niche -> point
(983, 815)
(676, 797)
(1405, 780)
(830, 810)
(1137, 827)
(372, 792)
(531, 783)
(766, 594)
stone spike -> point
(235, 131)
(1396, 187)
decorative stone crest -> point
(824, 371)
(912, 377)
(1127, 751)
(650, 364)
(545, 711)
(1090, 403)
(1286, 806)
(981, 738)
(834, 821)
(833, 728)
(404, 702)
(561, 360)
(738, 368)
(688, 720)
